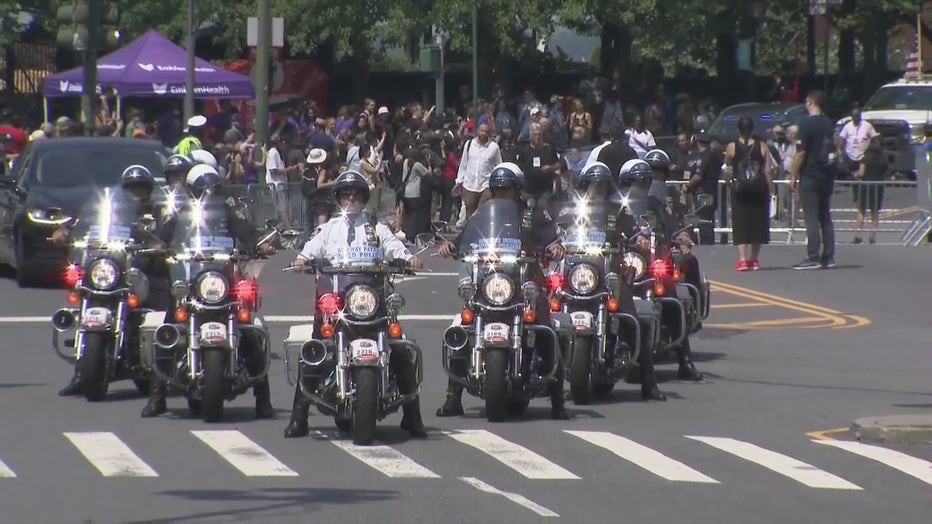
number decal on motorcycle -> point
(364, 349)
(213, 332)
(96, 317)
(581, 319)
(496, 332)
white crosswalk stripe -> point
(106, 452)
(387, 460)
(921, 469)
(519, 458)
(644, 457)
(788, 466)
(244, 454)
(6, 472)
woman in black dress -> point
(872, 168)
(750, 162)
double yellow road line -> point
(817, 316)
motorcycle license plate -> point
(213, 332)
(96, 317)
(364, 349)
(581, 319)
(496, 332)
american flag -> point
(913, 67)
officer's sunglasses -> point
(347, 193)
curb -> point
(904, 429)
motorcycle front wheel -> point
(93, 364)
(214, 365)
(365, 405)
(581, 371)
(495, 385)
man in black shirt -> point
(615, 154)
(705, 172)
(812, 178)
(540, 164)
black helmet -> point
(351, 180)
(506, 175)
(178, 164)
(593, 174)
(658, 159)
(137, 175)
(634, 172)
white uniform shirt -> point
(857, 138)
(330, 242)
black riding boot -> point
(74, 387)
(453, 406)
(649, 388)
(156, 404)
(411, 420)
(687, 370)
(263, 396)
(557, 400)
(297, 427)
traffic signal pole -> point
(89, 83)
(263, 51)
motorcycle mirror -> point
(704, 200)
(690, 220)
(271, 223)
(245, 200)
(424, 240)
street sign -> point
(252, 32)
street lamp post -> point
(440, 39)
(263, 49)
(189, 76)
(475, 58)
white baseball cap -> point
(383, 110)
(316, 156)
(197, 121)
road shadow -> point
(818, 386)
(713, 333)
(537, 413)
(914, 406)
(299, 500)
(231, 414)
(15, 385)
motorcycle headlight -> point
(103, 273)
(583, 278)
(498, 289)
(637, 262)
(212, 287)
(466, 289)
(361, 301)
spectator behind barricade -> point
(413, 194)
(654, 114)
(640, 138)
(371, 169)
(282, 124)
(704, 175)
(9, 125)
(615, 153)
(528, 102)
(310, 178)
(534, 118)
(503, 118)
(319, 164)
(383, 125)
(222, 121)
(450, 150)
(253, 159)
(351, 157)
(580, 122)
(135, 120)
(612, 113)
(229, 158)
(479, 158)
(871, 169)
(683, 155)
(751, 186)
(541, 166)
(368, 107)
(343, 121)
(852, 142)
(277, 174)
(685, 120)
(362, 126)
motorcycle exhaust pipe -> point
(313, 352)
(63, 320)
(455, 338)
(167, 336)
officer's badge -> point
(371, 238)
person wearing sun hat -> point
(314, 187)
(193, 132)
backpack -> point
(748, 173)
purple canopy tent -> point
(152, 67)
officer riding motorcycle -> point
(130, 208)
(592, 285)
(351, 228)
(200, 210)
(671, 279)
(538, 237)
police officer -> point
(355, 227)
(506, 182)
(134, 200)
(193, 133)
(705, 172)
(202, 180)
(635, 181)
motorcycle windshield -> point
(586, 224)
(105, 226)
(634, 201)
(202, 231)
(494, 230)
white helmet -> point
(201, 177)
(200, 156)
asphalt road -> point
(786, 353)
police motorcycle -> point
(586, 285)
(201, 352)
(660, 271)
(99, 332)
(495, 331)
(348, 371)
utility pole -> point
(189, 77)
(263, 50)
(475, 61)
(89, 83)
